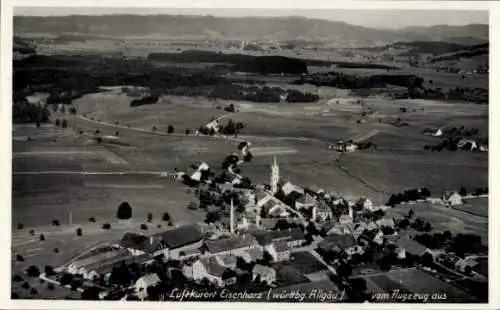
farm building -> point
(140, 244)
(208, 268)
(179, 239)
(230, 245)
(452, 199)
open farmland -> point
(443, 218)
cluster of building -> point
(275, 223)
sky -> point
(391, 19)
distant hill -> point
(468, 52)
(265, 28)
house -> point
(268, 223)
(315, 190)
(321, 212)
(337, 243)
(345, 219)
(251, 255)
(386, 222)
(289, 188)
(181, 239)
(279, 251)
(454, 199)
(357, 249)
(223, 187)
(208, 268)
(294, 237)
(264, 273)
(142, 284)
(189, 254)
(467, 144)
(228, 261)
(230, 245)
(483, 148)
(338, 228)
(278, 211)
(140, 244)
(305, 202)
(365, 203)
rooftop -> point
(341, 241)
(148, 244)
(230, 243)
(181, 236)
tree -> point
(17, 278)
(33, 291)
(49, 271)
(64, 124)
(170, 129)
(58, 122)
(42, 237)
(411, 213)
(187, 132)
(166, 217)
(20, 225)
(33, 271)
(92, 219)
(124, 211)
(25, 285)
(150, 217)
(403, 224)
(32, 232)
(66, 279)
(19, 258)
(55, 223)
(144, 227)
(153, 128)
(106, 226)
(117, 133)
(90, 293)
(463, 191)
(50, 287)
(56, 250)
(78, 231)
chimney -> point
(231, 225)
(151, 240)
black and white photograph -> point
(250, 155)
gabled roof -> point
(149, 279)
(230, 243)
(212, 267)
(144, 243)
(255, 253)
(262, 270)
(268, 222)
(340, 241)
(386, 222)
(281, 246)
(228, 259)
(306, 199)
(266, 237)
(181, 236)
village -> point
(282, 237)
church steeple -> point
(275, 176)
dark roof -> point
(266, 237)
(144, 243)
(281, 246)
(340, 241)
(230, 243)
(181, 236)
(213, 267)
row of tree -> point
(408, 195)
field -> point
(408, 281)
(443, 218)
(64, 174)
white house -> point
(266, 274)
(142, 284)
(454, 199)
(365, 203)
